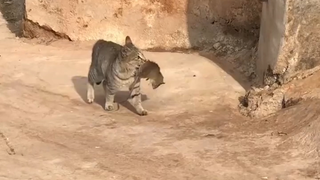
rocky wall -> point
(163, 24)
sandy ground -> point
(193, 130)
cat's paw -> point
(109, 107)
(90, 99)
(143, 112)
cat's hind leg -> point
(90, 91)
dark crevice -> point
(35, 30)
(270, 78)
(13, 12)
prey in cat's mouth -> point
(155, 83)
(150, 71)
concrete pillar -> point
(271, 38)
(289, 37)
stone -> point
(217, 46)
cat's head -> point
(131, 54)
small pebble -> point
(217, 45)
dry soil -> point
(193, 130)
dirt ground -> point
(193, 130)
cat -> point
(115, 66)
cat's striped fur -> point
(115, 67)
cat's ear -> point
(128, 40)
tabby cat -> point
(115, 66)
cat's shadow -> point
(80, 85)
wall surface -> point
(289, 36)
(163, 24)
(290, 42)
(302, 35)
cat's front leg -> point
(109, 97)
(136, 99)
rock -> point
(164, 24)
(217, 46)
(259, 103)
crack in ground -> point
(8, 144)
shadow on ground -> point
(13, 12)
(229, 68)
(80, 85)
